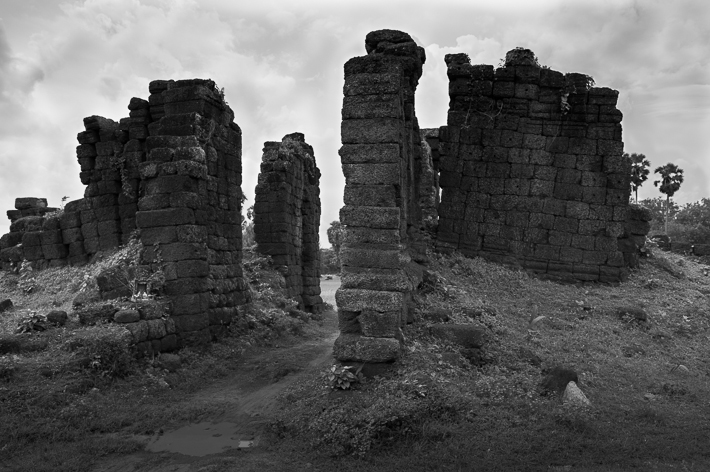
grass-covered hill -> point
(640, 352)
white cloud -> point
(281, 65)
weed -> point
(343, 378)
(32, 322)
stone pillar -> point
(287, 216)
(381, 146)
(190, 205)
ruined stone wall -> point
(190, 205)
(172, 170)
(532, 172)
(287, 217)
(380, 153)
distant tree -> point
(248, 239)
(639, 171)
(335, 237)
(671, 178)
(695, 214)
(657, 207)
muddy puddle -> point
(201, 439)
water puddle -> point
(201, 439)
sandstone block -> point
(360, 299)
(357, 348)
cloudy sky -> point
(281, 65)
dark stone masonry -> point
(532, 173)
(381, 155)
(528, 171)
(170, 175)
(287, 217)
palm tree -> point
(671, 178)
(639, 171)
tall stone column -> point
(381, 148)
(287, 216)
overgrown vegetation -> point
(689, 223)
(640, 350)
(647, 379)
(71, 394)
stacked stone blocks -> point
(189, 209)
(287, 217)
(380, 153)
(532, 172)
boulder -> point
(113, 283)
(126, 316)
(574, 397)
(5, 305)
(465, 335)
(57, 317)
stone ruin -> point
(287, 217)
(531, 169)
(171, 171)
(382, 158)
(528, 171)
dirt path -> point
(233, 440)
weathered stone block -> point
(359, 300)
(372, 131)
(372, 217)
(372, 174)
(378, 324)
(358, 348)
(369, 153)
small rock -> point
(5, 305)
(465, 335)
(439, 315)
(650, 397)
(57, 317)
(557, 379)
(631, 351)
(573, 396)
(632, 312)
(171, 362)
(126, 316)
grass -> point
(495, 418)
(647, 382)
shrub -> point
(107, 348)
